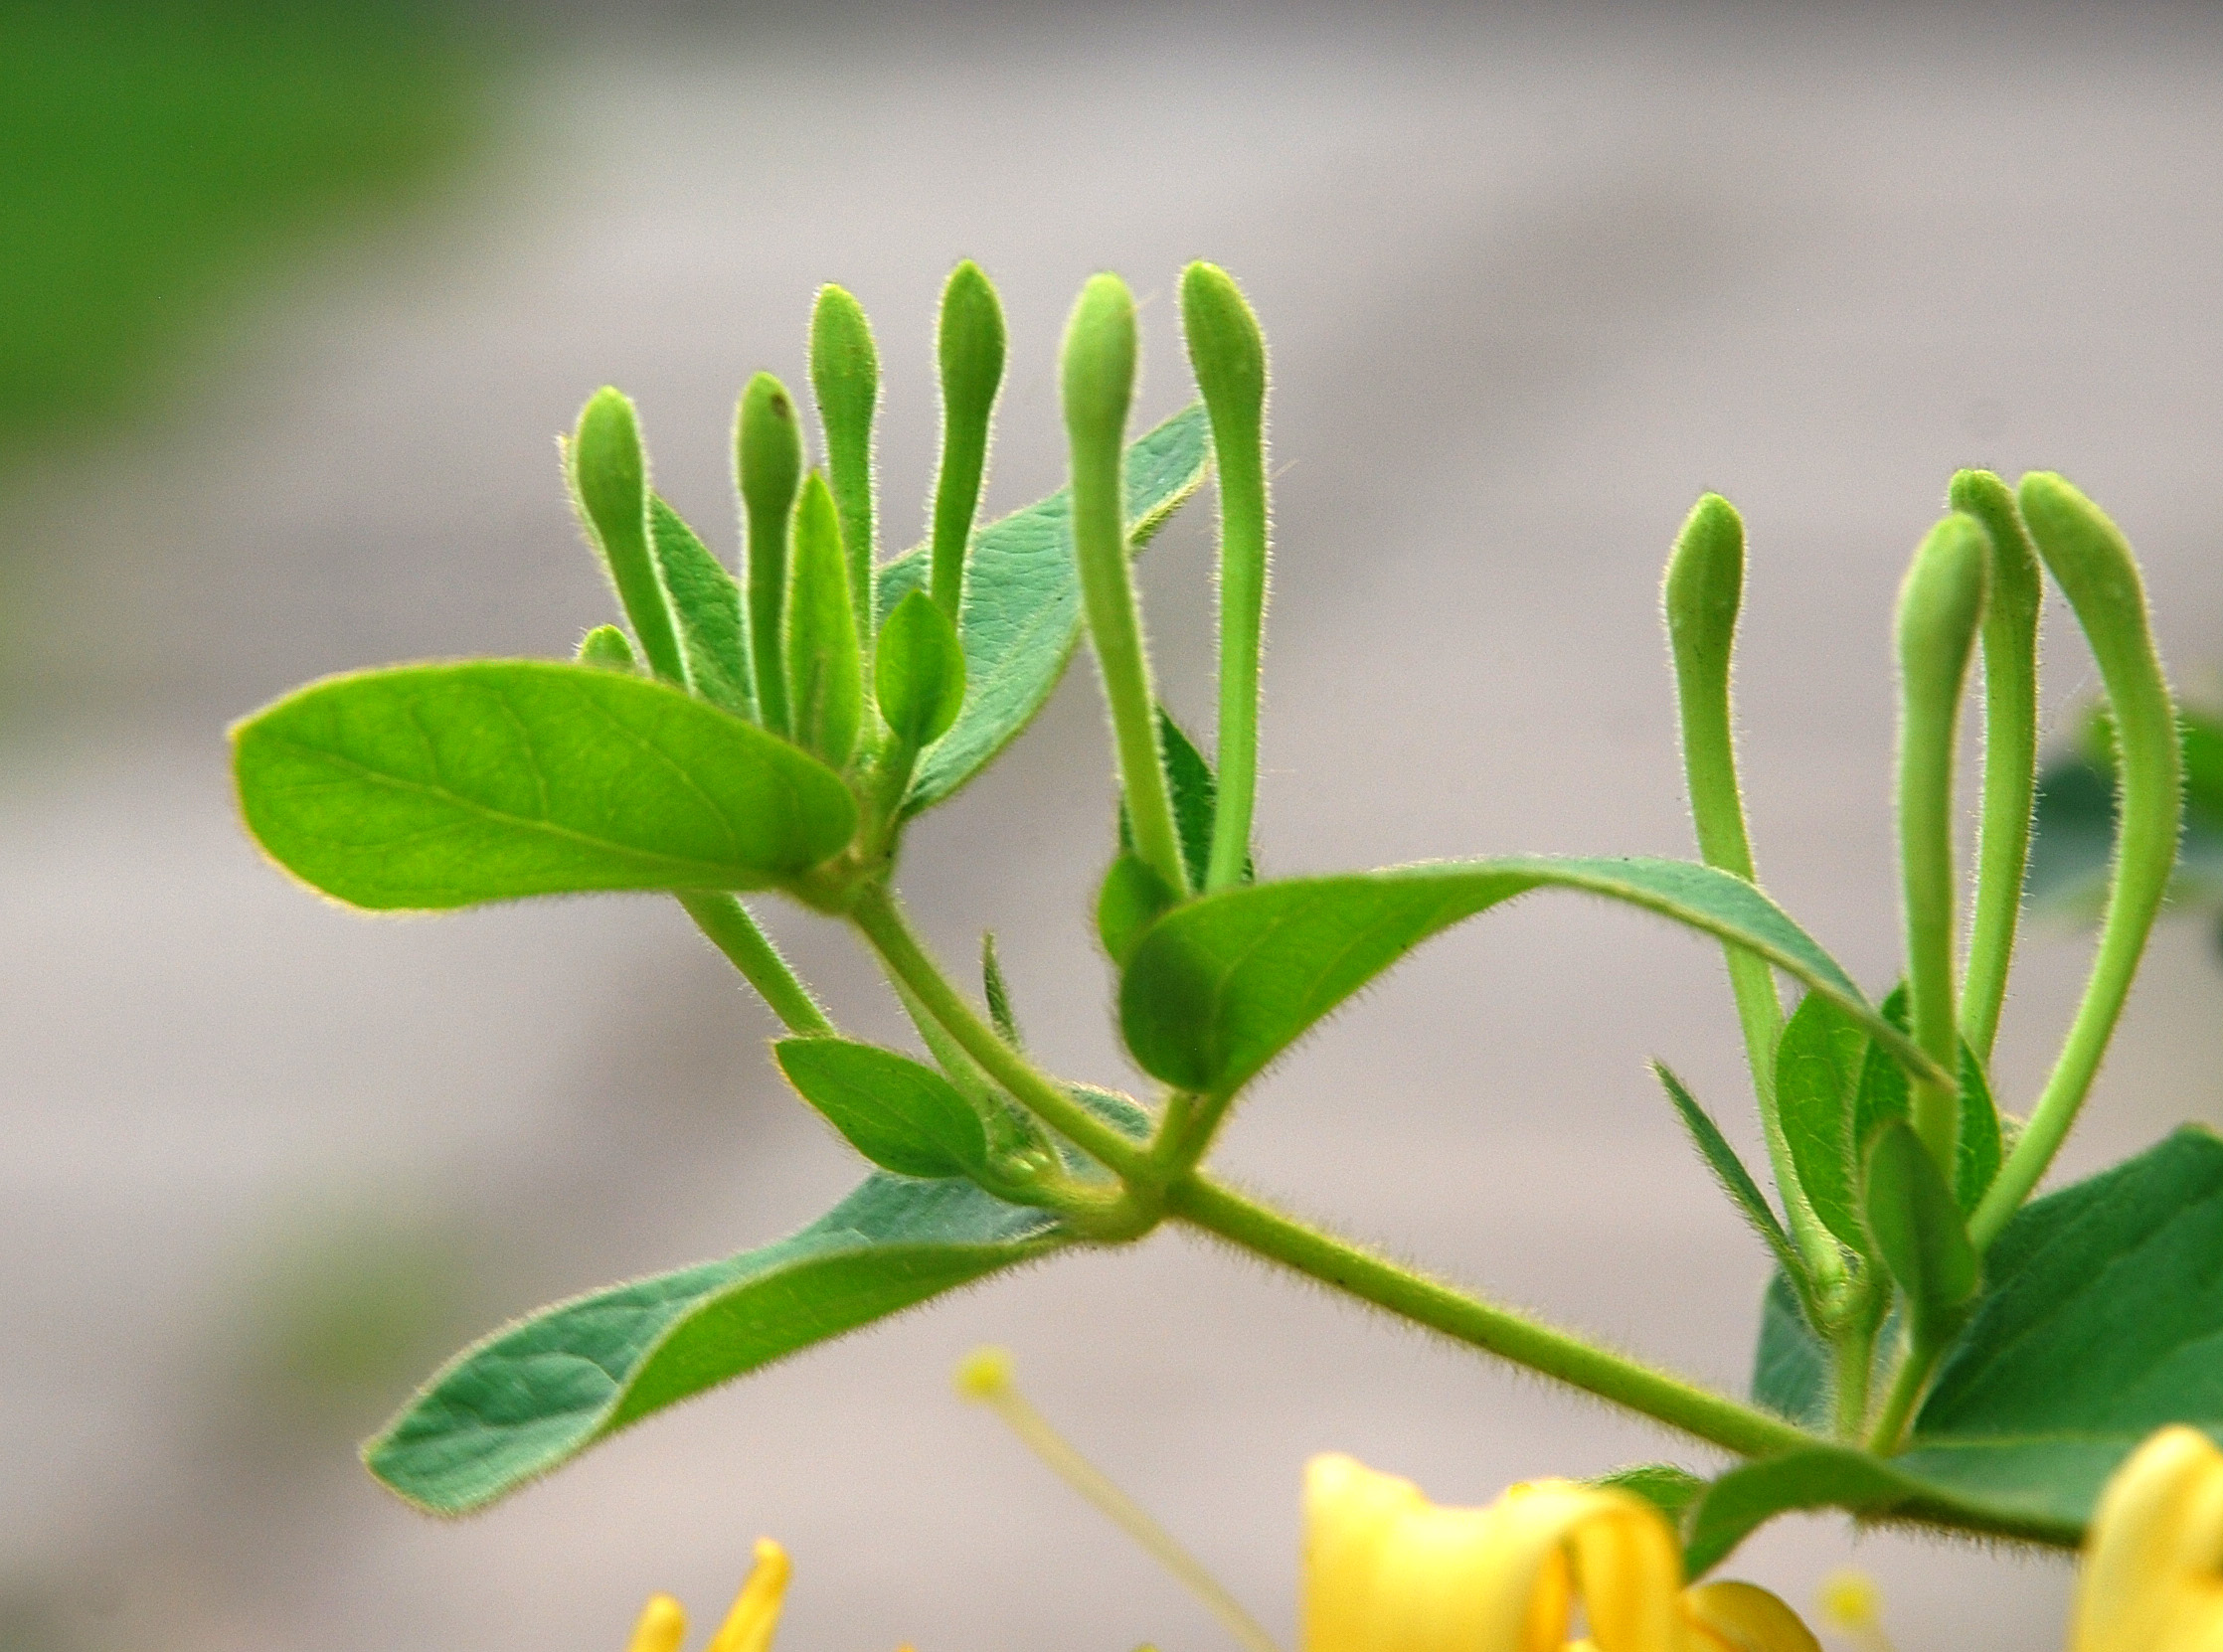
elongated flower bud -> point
(610, 477)
(767, 466)
(969, 345)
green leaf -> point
(1022, 601)
(1791, 1365)
(1882, 1096)
(2100, 1321)
(2072, 838)
(903, 1116)
(1919, 1233)
(825, 660)
(1730, 1172)
(706, 605)
(1729, 1510)
(1666, 1487)
(1818, 1062)
(539, 1393)
(1195, 793)
(1132, 899)
(442, 786)
(606, 647)
(998, 995)
(918, 671)
(1223, 984)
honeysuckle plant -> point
(1938, 1346)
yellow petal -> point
(748, 1626)
(1386, 1571)
(2152, 1574)
(1739, 1617)
(662, 1626)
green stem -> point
(1899, 1405)
(1854, 1356)
(2010, 751)
(1098, 384)
(1704, 590)
(2093, 564)
(733, 933)
(1228, 354)
(1940, 606)
(1266, 1232)
(881, 919)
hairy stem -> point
(733, 933)
(2093, 564)
(1266, 1232)
(1906, 1388)
(881, 919)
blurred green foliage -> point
(156, 155)
(2074, 840)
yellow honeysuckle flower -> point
(2152, 1573)
(1387, 1571)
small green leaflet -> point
(1919, 1233)
(1882, 1096)
(420, 787)
(1666, 1487)
(1729, 1170)
(1221, 985)
(1726, 1512)
(536, 1394)
(902, 1115)
(2100, 1321)
(1819, 1061)
(1195, 793)
(1022, 601)
(706, 605)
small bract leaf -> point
(1882, 1095)
(825, 663)
(1218, 988)
(920, 673)
(1917, 1229)
(706, 605)
(1022, 601)
(903, 1116)
(605, 646)
(998, 994)
(1664, 1486)
(443, 785)
(1196, 797)
(1729, 1170)
(1132, 898)
(1818, 1062)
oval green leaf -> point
(432, 786)
(902, 1115)
(1022, 600)
(1219, 987)
(539, 1393)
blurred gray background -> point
(1531, 282)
